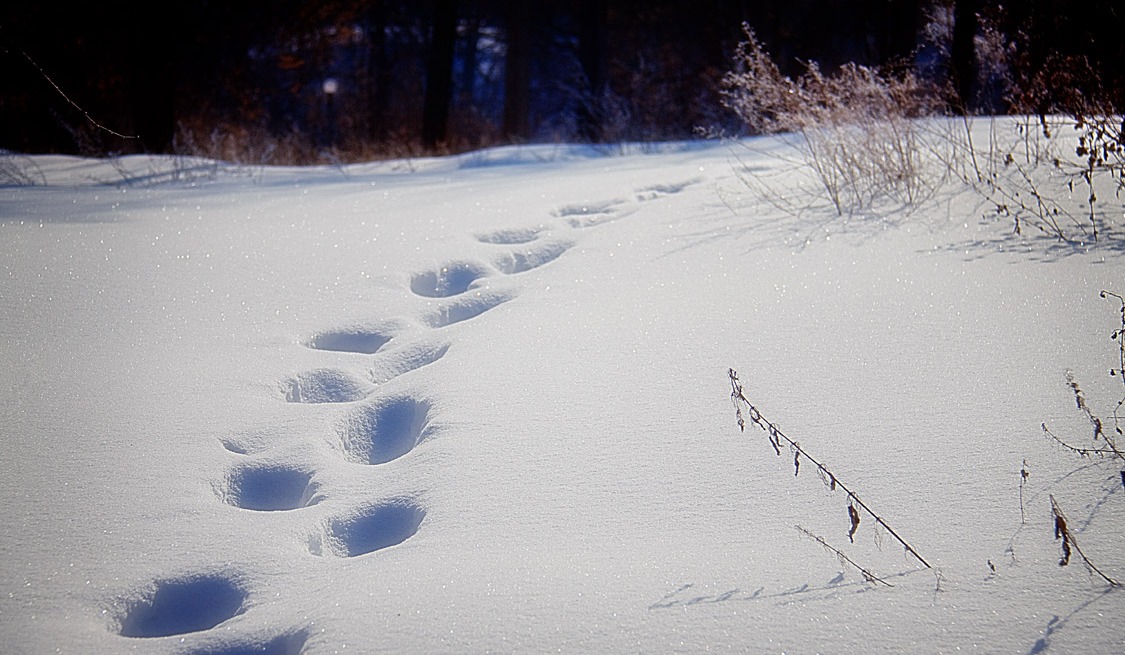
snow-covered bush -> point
(856, 127)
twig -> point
(776, 437)
(1118, 335)
(1084, 452)
(67, 98)
(1024, 474)
(1068, 543)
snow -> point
(481, 403)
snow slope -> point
(480, 404)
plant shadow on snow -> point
(1041, 249)
(183, 605)
(1057, 623)
(682, 596)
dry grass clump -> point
(855, 126)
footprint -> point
(368, 530)
(286, 644)
(590, 214)
(181, 605)
(364, 341)
(466, 307)
(393, 364)
(510, 237)
(658, 190)
(450, 280)
(323, 385)
(534, 257)
(383, 431)
(268, 488)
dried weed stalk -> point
(1118, 335)
(1070, 545)
(778, 441)
(1100, 434)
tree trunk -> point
(517, 73)
(439, 75)
(592, 45)
(963, 55)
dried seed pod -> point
(1061, 532)
(853, 515)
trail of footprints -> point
(373, 429)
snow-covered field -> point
(481, 404)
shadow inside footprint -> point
(371, 529)
(394, 364)
(382, 432)
(451, 280)
(269, 488)
(323, 386)
(510, 237)
(657, 190)
(465, 308)
(287, 644)
(183, 605)
(525, 260)
(357, 340)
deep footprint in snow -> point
(286, 644)
(510, 237)
(526, 259)
(384, 431)
(182, 605)
(323, 385)
(363, 341)
(368, 530)
(466, 307)
(590, 214)
(451, 279)
(268, 487)
(659, 190)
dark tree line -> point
(375, 77)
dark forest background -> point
(295, 81)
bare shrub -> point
(1058, 175)
(1060, 171)
(856, 127)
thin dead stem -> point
(844, 559)
(1069, 544)
(777, 439)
